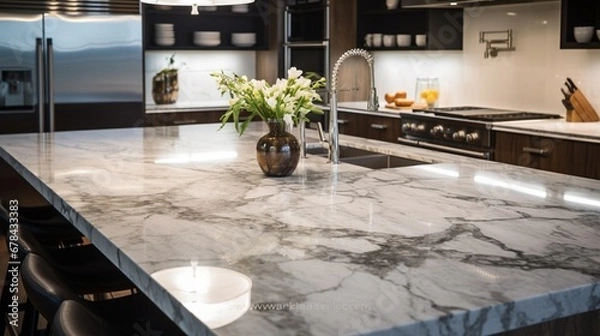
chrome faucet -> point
(372, 102)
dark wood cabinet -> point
(593, 161)
(352, 124)
(369, 126)
(185, 118)
(577, 13)
(443, 27)
(546, 153)
(223, 20)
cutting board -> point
(405, 108)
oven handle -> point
(306, 44)
(483, 155)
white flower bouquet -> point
(288, 99)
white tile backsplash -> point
(528, 78)
(195, 83)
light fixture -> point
(199, 3)
(196, 3)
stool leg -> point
(4, 300)
(30, 320)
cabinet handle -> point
(379, 126)
(343, 122)
(185, 121)
(538, 151)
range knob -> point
(459, 136)
(437, 130)
(409, 127)
(420, 129)
(472, 137)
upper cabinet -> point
(580, 13)
(396, 28)
(243, 27)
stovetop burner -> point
(487, 114)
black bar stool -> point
(47, 290)
(75, 319)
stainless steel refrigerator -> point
(68, 72)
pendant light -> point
(196, 3)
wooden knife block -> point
(582, 110)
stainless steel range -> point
(464, 130)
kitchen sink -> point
(366, 158)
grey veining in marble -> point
(461, 246)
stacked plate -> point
(240, 8)
(164, 34)
(207, 38)
(243, 39)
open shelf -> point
(576, 13)
(222, 20)
(443, 27)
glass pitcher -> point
(427, 91)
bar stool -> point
(47, 290)
(75, 319)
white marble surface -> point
(470, 247)
(581, 131)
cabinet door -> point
(382, 128)
(561, 156)
(352, 124)
(593, 161)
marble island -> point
(458, 246)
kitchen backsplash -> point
(528, 78)
(196, 87)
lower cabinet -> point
(184, 118)
(547, 153)
(369, 126)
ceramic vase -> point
(277, 152)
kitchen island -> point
(456, 246)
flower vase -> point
(278, 151)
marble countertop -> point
(462, 246)
(579, 131)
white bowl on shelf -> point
(420, 40)
(243, 39)
(403, 40)
(207, 38)
(598, 34)
(583, 34)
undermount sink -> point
(367, 159)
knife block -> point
(582, 110)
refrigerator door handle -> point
(50, 72)
(39, 60)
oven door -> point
(310, 58)
(307, 23)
